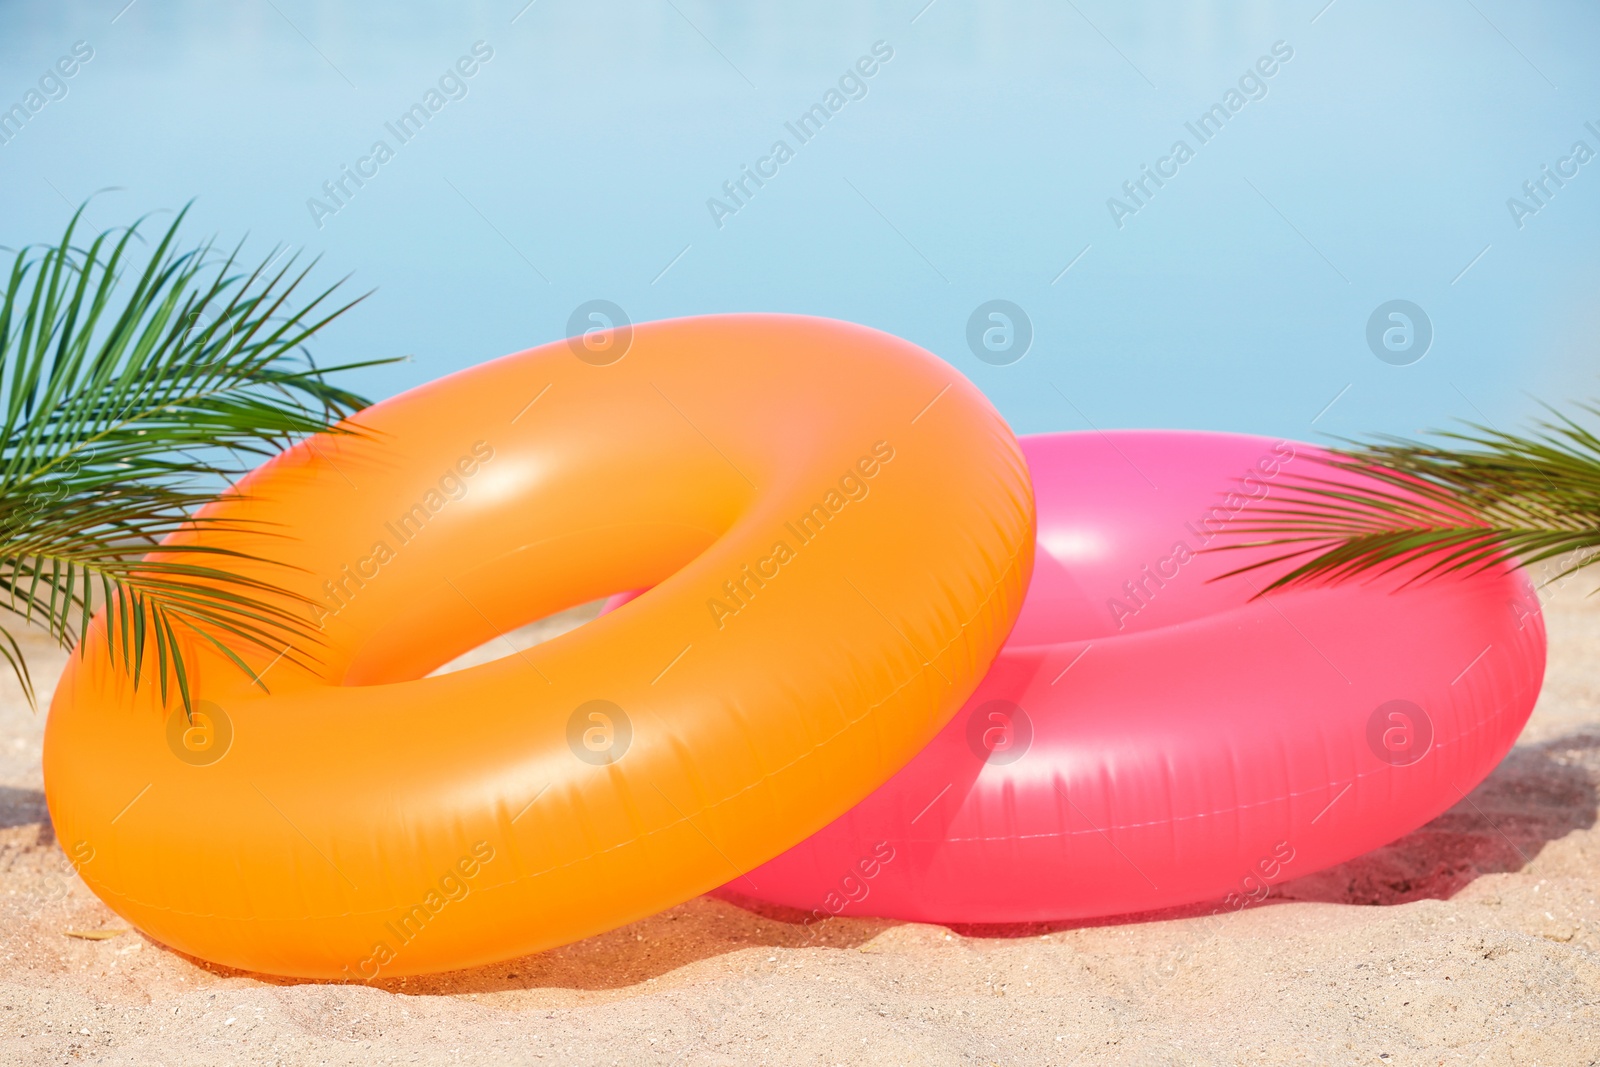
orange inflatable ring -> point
(839, 531)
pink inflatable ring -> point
(1150, 737)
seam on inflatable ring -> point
(1480, 726)
(1125, 635)
(961, 629)
(960, 633)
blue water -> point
(577, 162)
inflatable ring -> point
(1150, 737)
(839, 531)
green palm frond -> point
(127, 410)
(1478, 499)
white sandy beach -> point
(1473, 941)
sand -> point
(1474, 941)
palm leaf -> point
(1479, 499)
(123, 412)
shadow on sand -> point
(1539, 794)
(20, 807)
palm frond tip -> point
(133, 390)
(1477, 499)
